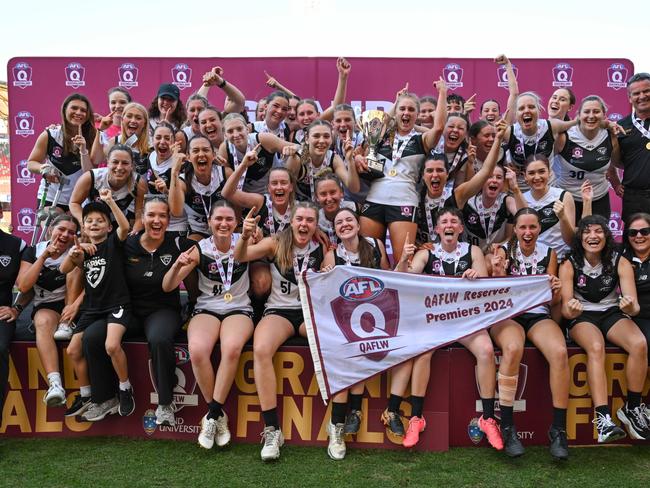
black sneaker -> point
(559, 447)
(512, 445)
(127, 403)
(635, 422)
(352, 422)
(608, 431)
(79, 406)
(393, 421)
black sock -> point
(417, 403)
(603, 410)
(488, 408)
(355, 401)
(559, 418)
(394, 402)
(271, 418)
(633, 399)
(215, 409)
(338, 412)
(506, 416)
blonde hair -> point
(284, 248)
(142, 144)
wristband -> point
(222, 84)
(19, 307)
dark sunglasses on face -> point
(645, 232)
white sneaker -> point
(336, 446)
(55, 396)
(273, 441)
(97, 411)
(222, 436)
(208, 431)
(165, 415)
(63, 332)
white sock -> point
(84, 391)
(54, 378)
(125, 385)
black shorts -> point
(56, 306)
(119, 315)
(527, 320)
(644, 325)
(62, 206)
(603, 320)
(222, 316)
(387, 214)
(293, 315)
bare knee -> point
(199, 353)
(230, 353)
(113, 348)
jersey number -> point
(217, 289)
(285, 287)
(578, 175)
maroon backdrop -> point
(37, 86)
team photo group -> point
(169, 215)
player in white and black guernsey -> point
(531, 135)
(51, 316)
(223, 311)
(481, 135)
(63, 150)
(329, 195)
(524, 255)
(586, 156)
(437, 194)
(105, 311)
(452, 148)
(449, 257)
(598, 297)
(11, 251)
(291, 252)
(274, 120)
(239, 142)
(555, 206)
(199, 187)
(345, 128)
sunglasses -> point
(645, 232)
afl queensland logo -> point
(562, 75)
(128, 74)
(182, 76)
(617, 76)
(24, 124)
(361, 288)
(453, 75)
(577, 153)
(75, 75)
(22, 73)
(502, 76)
(24, 176)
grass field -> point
(119, 462)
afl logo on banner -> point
(453, 75)
(182, 76)
(615, 117)
(22, 75)
(128, 74)
(502, 76)
(24, 124)
(562, 75)
(617, 76)
(368, 315)
(75, 74)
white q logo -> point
(617, 76)
(378, 317)
(452, 77)
(25, 173)
(74, 75)
(127, 76)
(562, 76)
(181, 77)
(23, 124)
(21, 75)
(26, 221)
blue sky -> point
(164, 28)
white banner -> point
(363, 321)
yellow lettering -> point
(14, 380)
(34, 368)
(574, 418)
(15, 413)
(615, 369)
(41, 423)
(373, 385)
(322, 432)
(244, 379)
(364, 434)
(69, 377)
(291, 415)
(291, 372)
(313, 389)
(578, 386)
(245, 414)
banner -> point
(362, 321)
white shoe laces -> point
(210, 428)
(602, 421)
(270, 437)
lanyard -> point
(226, 277)
(345, 255)
(447, 257)
(524, 139)
(435, 203)
(270, 220)
(639, 126)
(488, 213)
(305, 261)
(235, 157)
(532, 262)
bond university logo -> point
(22, 73)
(75, 75)
(453, 75)
(128, 74)
(367, 314)
(149, 422)
(562, 75)
(617, 76)
(24, 124)
(182, 76)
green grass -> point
(119, 462)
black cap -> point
(169, 90)
(97, 206)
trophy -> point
(374, 125)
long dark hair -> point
(88, 130)
(179, 115)
(634, 217)
(511, 253)
(366, 251)
(189, 168)
(577, 252)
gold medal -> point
(227, 297)
(647, 146)
(393, 172)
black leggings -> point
(7, 331)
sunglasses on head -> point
(634, 232)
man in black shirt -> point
(635, 147)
